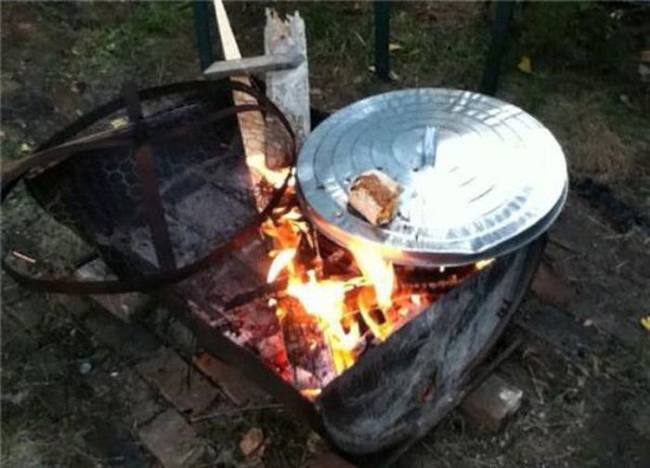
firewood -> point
(305, 347)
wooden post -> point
(289, 89)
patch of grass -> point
(338, 33)
(583, 85)
(44, 444)
(142, 36)
(574, 34)
(9, 150)
(592, 145)
(441, 44)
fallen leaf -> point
(251, 442)
(525, 65)
(26, 27)
(645, 322)
(119, 122)
(392, 47)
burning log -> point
(307, 352)
(406, 287)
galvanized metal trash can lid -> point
(480, 177)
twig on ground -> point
(22, 256)
(561, 244)
(217, 414)
(538, 391)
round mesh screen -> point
(201, 145)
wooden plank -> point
(250, 65)
(251, 124)
(228, 41)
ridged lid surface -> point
(480, 177)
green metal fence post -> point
(490, 80)
(382, 35)
(202, 29)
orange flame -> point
(483, 263)
(345, 308)
(280, 262)
(379, 272)
(325, 299)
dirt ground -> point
(585, 363)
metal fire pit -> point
(371, 413)
(398, 391)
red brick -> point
(169, 373)
(237, 387)
(171, 440)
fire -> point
(483, 263)
(325, 300)
(378, 271)
(342, 307)
(282, 260)
(336, 313)
(256, 163)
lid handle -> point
(429, 146)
